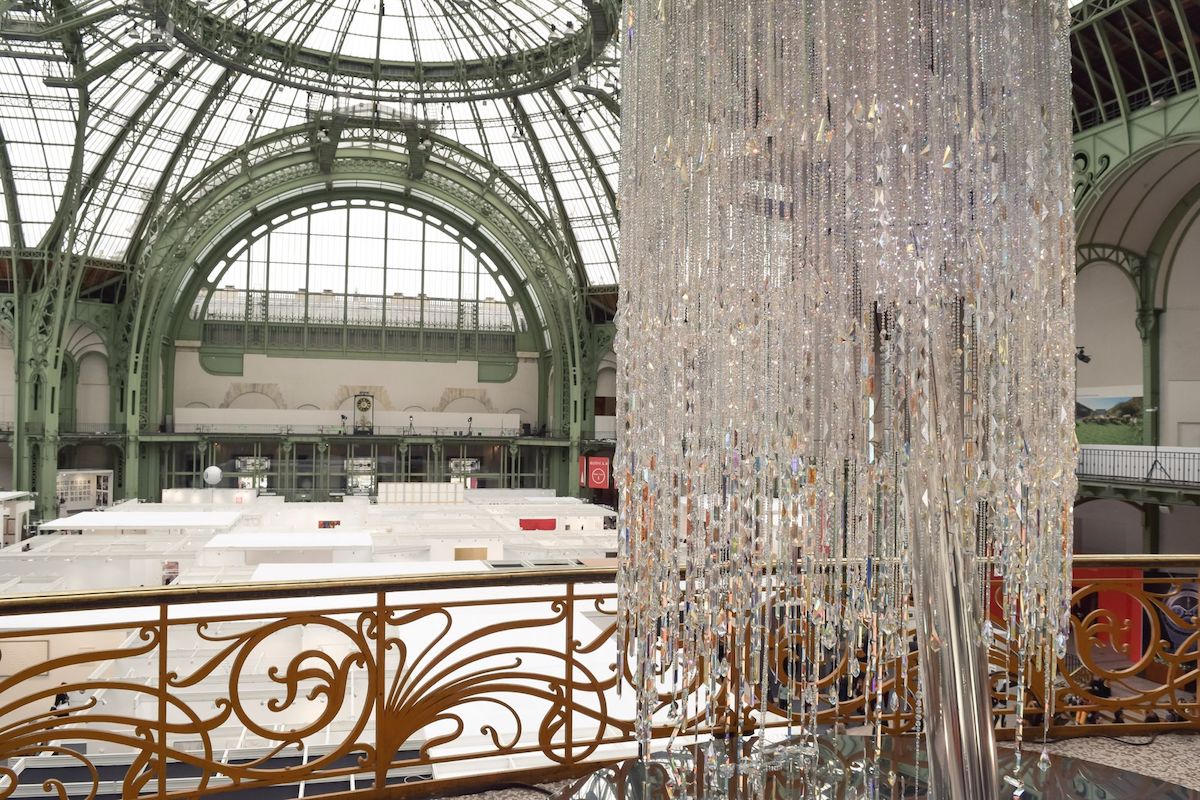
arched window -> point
(318, 277)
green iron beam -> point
(35, 32)
(493, 77)
(106, 67)
(1090, 12)
(15, 232)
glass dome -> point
(375, 49)
(139, 105)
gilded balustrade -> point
(423, 682)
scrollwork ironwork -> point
(394, 685)
(1087, 175)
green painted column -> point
(127, 414)
(569, 483)
(22, 441)
(1151, 528)
(168, 380)
(39, 381)
(1149, 328)
(133, 466)
(512, 466)
(435, 470)
(150, 461)
(47, 473)
(67, 407)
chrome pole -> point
(953, 658)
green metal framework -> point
(271, 179)
(1128, 54)
(501, 54)
(139, 149)
(138, 140)
(313, 468)
(275, 320)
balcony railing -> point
(69, 426)
(460, 429)
(91, 428)
(351, 686)
(1160, 465)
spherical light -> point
(212, 475)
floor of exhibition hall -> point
(226, 536)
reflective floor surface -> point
(849, 768)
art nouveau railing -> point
(349, 686)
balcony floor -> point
(1169, 757)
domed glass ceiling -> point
(161, 97)
(389, 49)
(407, 30)
(159, 110)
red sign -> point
(583, 471)
(597, 473)
(537, 523)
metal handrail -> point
(389, 659)
(455, 430)
(1175, 466)
(524, 576)
(229, 592)
(92, 427)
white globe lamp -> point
(212, 475)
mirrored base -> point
(848, 768)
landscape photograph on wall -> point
(1109, 415)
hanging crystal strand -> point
(826, 220)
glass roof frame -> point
(159, 119)
(347, 48)
(155, 118)
(470, 241)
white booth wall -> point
(8, 406)
(121, 570)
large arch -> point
(339, 196)
(1106, 303)
(1136, 218)
(1138, 193)
(547, 337)
(1106, 155)
(282, 171)
(1179, 325)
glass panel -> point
(361, 266)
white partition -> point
(390, 493)
(251, 548)
(209, 497)
(130, 519)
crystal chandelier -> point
(845, 348)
